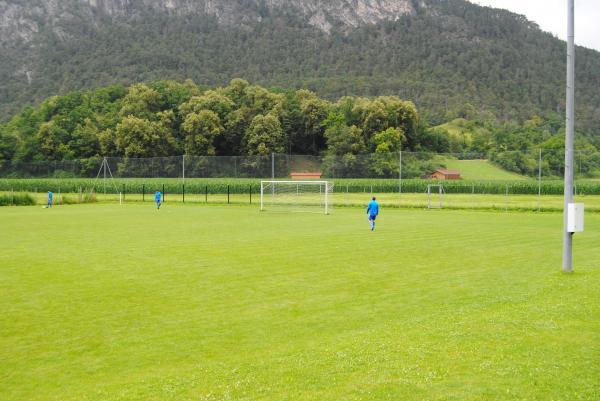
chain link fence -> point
(508, 180)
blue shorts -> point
(372, 218)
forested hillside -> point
(451, 58)
(166, 118)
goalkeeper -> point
(373, 211)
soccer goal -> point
(297, 196)
(432, 191)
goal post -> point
(297, 196)
(432, 189)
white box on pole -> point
(575, 219)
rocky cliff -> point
(20, 20)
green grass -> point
(108, 302)
(477, 201)
(481, 170)
(459, 129)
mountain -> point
(451, 57)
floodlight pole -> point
(567, 263)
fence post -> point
(250, 191)
(273, 166)
(123, 192)
(206, 194)
(164, 194)
(506, 205)
(143, 192)
(400, 179)
(228, 194)
(540, 181)
(183, 193)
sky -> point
(551, 16)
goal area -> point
(297, 196)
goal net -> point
(299, 196)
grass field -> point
(108, 302)
(481, 170)
(476, 201)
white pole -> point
(104, 168)
(429, 196)
(567, 262)
(540, 182)
(326, 199)
(261, 196)
(400, 178)
(120, 198)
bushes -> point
(16, 199)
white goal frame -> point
(429, 193)
(328, 193)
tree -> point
(85, 140)
(201, 128)
(313, 112)
(141, 101)
(264, 135)
(388, 144)
(210, 100)
(53, 140)
(137, 137)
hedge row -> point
(238, 186)
(16, 199)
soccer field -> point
(193, 302)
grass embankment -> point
(481, 170)
(102, 302)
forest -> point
(166, 118)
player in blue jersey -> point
(373, 211)
(49, 199)
(158, 199)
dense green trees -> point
(172, 118)
(167, 118)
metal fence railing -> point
(540, 164)
(503, 180)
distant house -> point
(443, 174)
